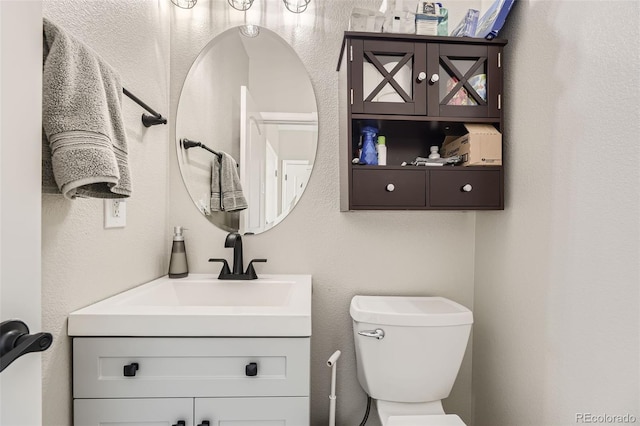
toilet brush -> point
(331, 362)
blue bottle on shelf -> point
(369, 155)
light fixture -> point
(241, 5)
(185, 4)
(295, 6)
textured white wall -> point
(556, 296)
(420, 253)
(82, 262)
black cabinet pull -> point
(130, 370)
(251, 369)
(205, 423)
(180, 423)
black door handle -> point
(16, 341)
(180, 423)
(130, 369)
(205, 423)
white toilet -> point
(408, 353)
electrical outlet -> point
(115, 213)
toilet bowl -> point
(408, 354)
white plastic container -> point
(382, 151)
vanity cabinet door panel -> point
(459, 188)
(384, 188)
(253, 411)
(133, 412)
(190, 367)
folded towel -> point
(85, 147)
(226, 190)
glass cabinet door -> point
(385, 77)
(468, 81)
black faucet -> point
(235, 240)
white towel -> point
(226, 190)
(84, 142)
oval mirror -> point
(247, 95)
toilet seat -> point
(427, 420)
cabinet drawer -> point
(447, 188)
(371, 188)
(181, 367)
(253, 411)
(127, 412)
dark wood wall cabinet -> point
(416, 90)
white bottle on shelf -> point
(434, 152)
(382, 151)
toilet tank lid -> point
(409, 311)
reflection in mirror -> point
(249, 97)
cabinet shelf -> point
(417, 90)
(400, 117)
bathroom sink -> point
(202, 305)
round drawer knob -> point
(422, 76)
(434, 78)
(390, 187)
(467, 188)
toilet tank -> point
(420, 354)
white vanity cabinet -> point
(191, 381)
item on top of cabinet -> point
(369, 155)
(382, 150)
(366, 20)
(468, 24)
(399, 21)
(178, 267)
(481, 146)
(428, 8)
(443, 22)
(426, 24)
(493, 19)
(428, 16)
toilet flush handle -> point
(378, 333)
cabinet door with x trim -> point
(469, 80)
(387, 77)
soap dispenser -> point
(178, 267)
